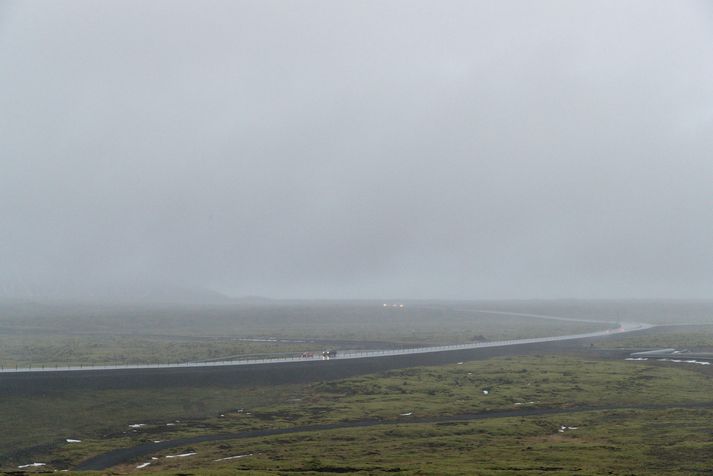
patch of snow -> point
(143, 465)
(485, 392)
(154, 458)
(406, 414)
(459, 363)
(170, 424)
(70, 440)
(636, 358)
(137, 425)
(181, 455)
(699, 362)
(157, 441)
(233, 457)
(32, 465)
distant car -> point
(329, 354)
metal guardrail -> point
(629, 327)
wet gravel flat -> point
(125, 455)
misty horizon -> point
(458, 150)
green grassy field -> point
(676, 442)
(698, 340)
(63, 350)
(62, 333)
(624, 441)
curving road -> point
(623, 327)
(37, 381)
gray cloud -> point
(323, 149)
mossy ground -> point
(84, 334)
(620, 440)
(612, 442)
(700, 340)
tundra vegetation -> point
(73, 334)
(637, 417)
(650, 417)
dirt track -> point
(125, 455)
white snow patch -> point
(636, 358)
(699, 362)
(70, 440)
(233, 457)
(143, 465)
(170, 424)
(32, 465)
(406, 414)
(562, 428)
(137, 425)
(485, 392)
(157, 441)
(459, 363)
(181, 455)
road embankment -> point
(49, 382)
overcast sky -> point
(435, 149)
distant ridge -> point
(253, 299)
(109, 292)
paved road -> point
(623, 327)
(37, 381)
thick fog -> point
(438, 149)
